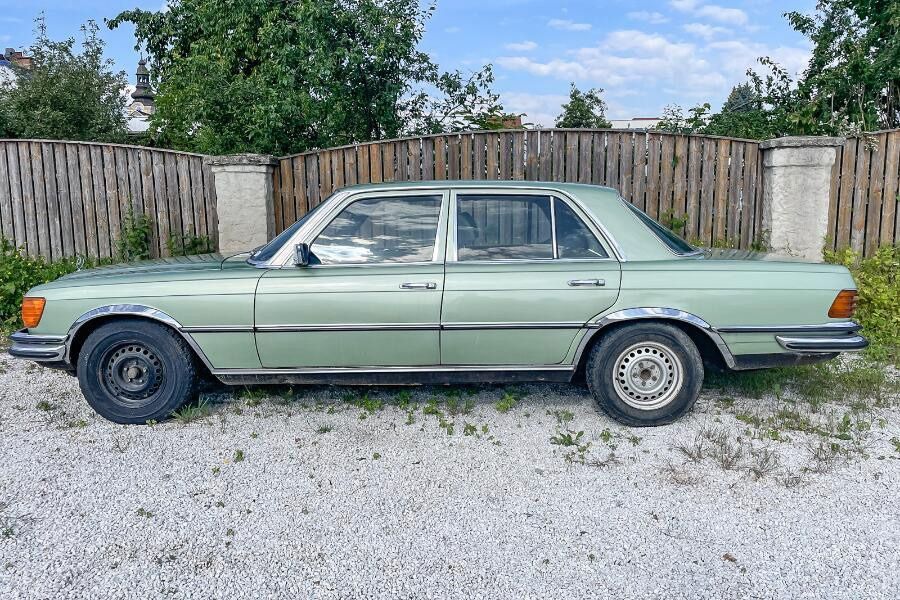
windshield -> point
(266, 252)
(666, 235)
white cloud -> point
(568, 25)
(525, 46)
(539, 109)
(634, 62)
(707, 32)
(722, 14)
(452, 30)
(654, 18)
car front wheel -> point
(645, 374)
(133, 371)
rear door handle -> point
(423, 285)
(587, 282)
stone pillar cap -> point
(229, 160)
(801, 141)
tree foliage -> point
(584, 110)
(280, 77)
(66, 94)
(851, 83)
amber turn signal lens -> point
(844, 305)
(32, 309)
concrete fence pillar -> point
(244, 200)
(796, 189)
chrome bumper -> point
(830, 337)
(41, 348)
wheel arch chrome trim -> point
(656, 313)
(132, 310)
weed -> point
(76, 424)
(369, 405)
(323, 429)
(142, 512)
(253, 396)
(192, 412)
(45, 406)
(824, 456)
(563, 417)
(764, 462)
(567, 438)
(238, 456)
(506, 403)
(469, 429)
(896, 442)
(375, 456)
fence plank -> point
(545, 156)
(312, 179)
(413, 160)
(708, 190)
(890, 226)
(176, 227)
(694, 163)
(506, 155)
(558, 161)
(54, 221)
(748, 196)
(188, 225)
(64, 199)
(666, 176)
(376, 165)
(571, 157)
(440, 157)
(517, 143)
(120, 161)
(42, 209)
(720, 203)
(195, 174)
(428, 159)
(613, 143)
(647, 173)
(454, 152)
(284, 204)
(876, 189)
(363, 165)
(16, 197)
(733, 199)
(860, 193)
(679, 162)
(626, 166)
(148, 200)
(112, 197)
(598, 158)
(7, 220)
(491, 149)
(479, 156)
(74, 174)
(845, 198)
(300, 201)
(465, 156)
(31, 214)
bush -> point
(878, 280)
(20, 272)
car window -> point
(573, 238)
(397, 229)
(665, 235)
(503, 227)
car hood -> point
(176, 264)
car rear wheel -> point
(133, 371)
(645, 374)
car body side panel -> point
(518, 294)
(349, 296)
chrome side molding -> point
(853, 343)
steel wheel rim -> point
(132, 373)
(647, 375)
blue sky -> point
(644, 54)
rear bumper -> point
(40, 348)
(850, 343)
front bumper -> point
(40, 348)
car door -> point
(524, 273)
(371, 295)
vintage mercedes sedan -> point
(443, 282)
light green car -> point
(443, 282)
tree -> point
(584, 110)
(281, 77)
(853, 76)
(66, 94)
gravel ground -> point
(316, 496)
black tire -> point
(645, 374)
(132, 371)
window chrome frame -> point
(612, 249)
(310, 231)
(284, 257)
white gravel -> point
(377, 508)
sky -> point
(645, 55)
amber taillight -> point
(844, 305)
(32, 309)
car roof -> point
(483, 183)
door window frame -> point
(309, 235)
(555, 196)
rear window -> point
(665, 235)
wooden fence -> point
(712, 182)
(865, 192)
(62, 199)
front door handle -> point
(587, 282)
(423, 285)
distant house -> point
(11, 56)
(635, 123)
(143, 101)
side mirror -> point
(301, 255)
